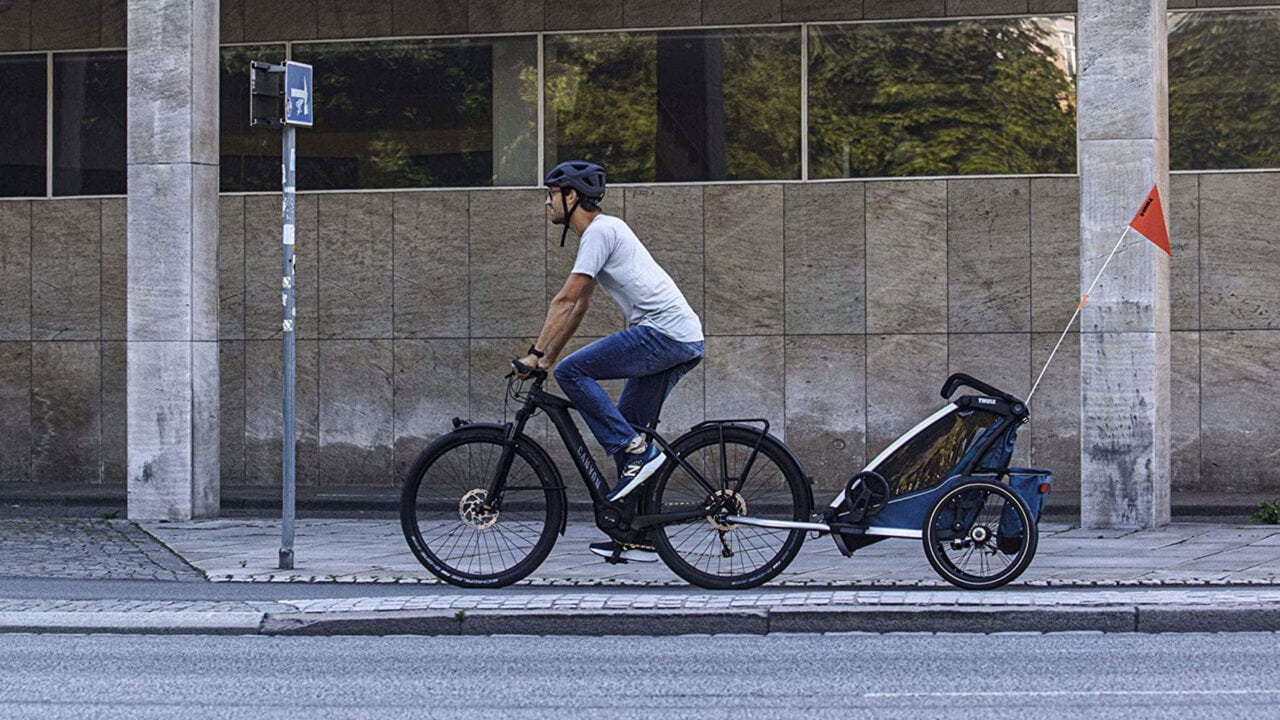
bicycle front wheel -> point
(712, 552)
(446, 525)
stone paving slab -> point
(138, 606)
(83, 548)
(363, 550)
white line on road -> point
(1065, 693)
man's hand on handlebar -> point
(529, 363)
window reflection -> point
(249, 159)
(89, 127)
(885, 99)
(954, 98)
(676, 106)
(1224, 90)
(422, 113)
(22, 125)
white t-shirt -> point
(609, 252)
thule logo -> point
(986, 401)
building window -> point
(249, 159)
(421, 113)
(23, 114)
(972, 97)
(676, 106)
(89, 127)
(1224, 90)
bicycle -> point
(947, 482)
(483, 504)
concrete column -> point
(172, 341)
(1124, 341)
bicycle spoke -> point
(765, 492)
(453, 528)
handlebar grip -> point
(526, 370)
(957, 379)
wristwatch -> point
(534, 351)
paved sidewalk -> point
(1182, 577)
(375, 551)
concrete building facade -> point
(834, 308)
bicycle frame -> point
(618, 519)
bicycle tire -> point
(682, 545)
(940, 535)
(444, 490)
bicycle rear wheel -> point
(714, 553)
(444, 521)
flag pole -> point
(1076, 314)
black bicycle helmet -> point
(585, 177)
(582, 175)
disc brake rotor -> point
(471, 510)
(737, 506)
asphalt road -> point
(844, 676)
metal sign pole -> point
(289, 499)
(280, 96)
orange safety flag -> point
(1149, 222)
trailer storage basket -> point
(1032, 485)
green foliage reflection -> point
(1224, 90)
(604, 100)
(762, 105)
(956, 98)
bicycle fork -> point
(493, 493)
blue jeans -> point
(643, 356)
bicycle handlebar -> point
(523, 369)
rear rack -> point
(706, 423)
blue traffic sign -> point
(298, 94)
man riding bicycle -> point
(662, 342)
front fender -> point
(533, 447)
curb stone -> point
(1260, 618)
(954, 619)
(539, 622)
(1116, 619)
